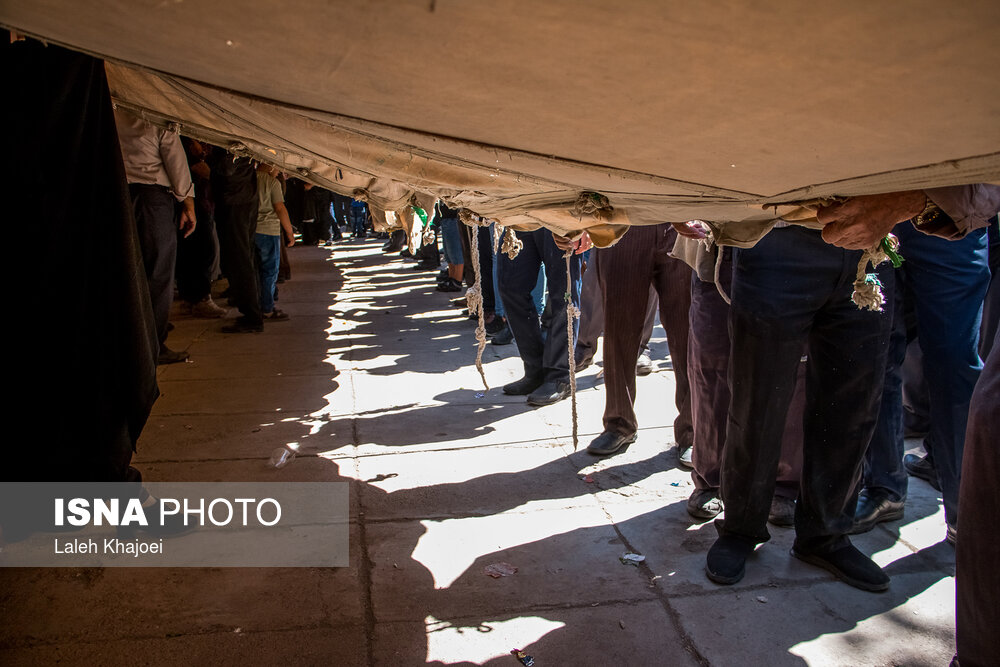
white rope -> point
(511, 244)
(572, 313)
(474, 295)
(867, 287)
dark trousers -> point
(325, 223)
(196, 257)
(310, 231)
(991, 304)
(625, 271)
(543, 358)
(237, 226)
(946, 282)
(592, 313)
(789, 291)
(285, 266)
(977, 578)
(486, 267)
(335, 233)
(155, 220)
(708, 369)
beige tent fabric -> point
(673, 111)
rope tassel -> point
(511, 244)
(867, 287)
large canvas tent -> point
(673, 111)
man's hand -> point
(188, 220)
(286, 223)
(861, 222)
(692, 229)
(201, 170)
(580, 246)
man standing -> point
(198, 254)
(158, 176)
(952, 212)
(234, 183)
(626, 271)
(793, 290)
(545, 358)
(272, 222)
(945, 281)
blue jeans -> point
(540, 291)
(451, 239)
(543, 358)
(269, 258)
(946, 281)
(359, 216)
(537, 293)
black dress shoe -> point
(875, 506)
(522, 387)
(450, 285)
(850, 566)
(921, 467)
(495, 326)
(727, 559)
(609, 442)
(782, 512)
(243, 326)
(505, 337)
(427, 266)
(549, 393)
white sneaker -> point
(684, 458)
(208, 309)
(644, 366)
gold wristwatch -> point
(931, 216)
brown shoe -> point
(276, 316)
(168, 356)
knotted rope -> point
(468, 217)
(599, 207)
(474, 295)
(867, 287)
(594, 204)
(572, 313)
(238, 149)
(511, 244)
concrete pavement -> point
(373, 380)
